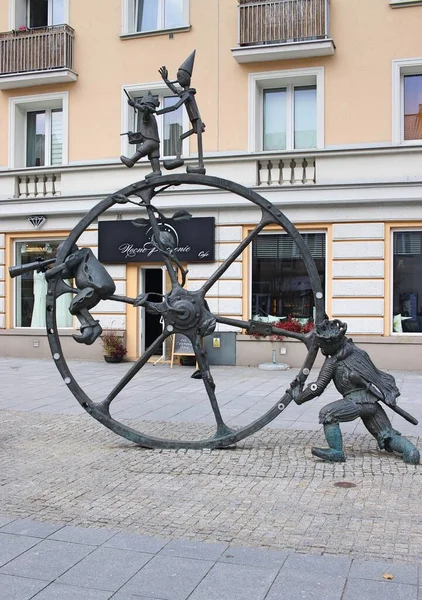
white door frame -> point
(141, 290)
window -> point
(280, 282)
(286, 110)
(39, 130)
(407, 101)
(38, 13)
(289, 112)
(158, 14)
(44, 137)
(170, 125)
(31, 287)
(143, 16)
(407, 282)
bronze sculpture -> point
(147, 137)
(362, 386)
(187, 312)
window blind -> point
(279, 246)
(407, 242)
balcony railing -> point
(42, 49)
(282, 21)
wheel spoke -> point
(134, 370)
(265, 220)
(209, 384)
(263, 328)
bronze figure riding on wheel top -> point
(361, 385)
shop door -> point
(151, 281)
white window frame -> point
(158, 88)
(18, 13)
(402, 67)
(283, 79)
(278, 232)
(24, 240)
(129, 19)
(18, 109)
(391, 315)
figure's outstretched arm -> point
(173, 107)
(315, 389)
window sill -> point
(405, 3)
(141, 34)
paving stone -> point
(364, 589)
(105, 569)
(402, 573)
(300, 586)
(322, 566)
(56, 591)
(82, 535)
(235, 582)
(19, 588)
(188, 549)
(168, 577)
(12, 546)
(47, 560)
(254, 557)
(5, 520)
(136, 543)
(31, 528)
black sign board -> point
(123, 242)
(182, 346)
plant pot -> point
(113, 359)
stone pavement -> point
(263, 520)
(47, 561)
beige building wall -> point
(357, 78)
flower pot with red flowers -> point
(113, 344)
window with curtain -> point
(31, 288)
(44, 137)
(412, 107)
(290, 118)
(407, 282)
(280, 282)
(158, 14)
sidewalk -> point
(265, 520)
(47, 561)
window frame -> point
(401, 68)
(157, 89)
(18, 109)
(24, 240)
(393, 231)
(19, 12)
(277, 231)
(129, 12)
(284, 79)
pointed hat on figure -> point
(188, 64)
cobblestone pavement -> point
(60, 467)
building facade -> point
(314, 104)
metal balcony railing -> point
(282, 21)
(41, 49)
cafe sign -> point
(123, 242)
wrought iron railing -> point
(41, 49)
(281, 21)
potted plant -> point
(113, 345)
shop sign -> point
(123, 242)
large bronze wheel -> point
(184, 311)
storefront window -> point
(280, 282)
(407, 282)
(31, 287)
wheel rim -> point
(224, 436)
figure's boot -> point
(156, 171)
(129, 162)
(173, 164)
(409, 452)
(334, 438)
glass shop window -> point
(280, 282)
(407, 282)
(31, 287)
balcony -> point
(282, 29)
(36, 57)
